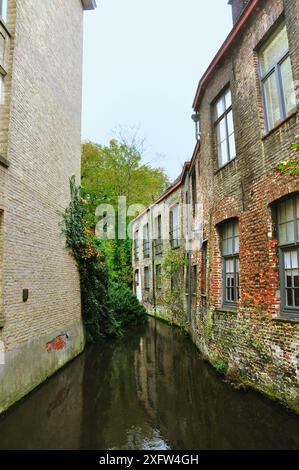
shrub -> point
(124, 306)
(220, 365)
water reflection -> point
(149, 391)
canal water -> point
(150, 390)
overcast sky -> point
(142, 63)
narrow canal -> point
(148, 391)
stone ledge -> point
(226, 310)
(286, 319)
(2, 322)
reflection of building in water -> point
(51, 418)
(161, 372)
(233, 216)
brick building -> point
(40, 148)
(245, 315)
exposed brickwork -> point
(252, 339)
(40, 136)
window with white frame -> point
(277, 78)
(146, 241)
(158, 235)
(3, 9)
(230, 260)
(174, 226)
(288, 242)
(224, 125)
(136, 245)
(146, 278)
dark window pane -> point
(296, 297)
(289, 297)
(289, 280)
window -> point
(3, 10)
(277, 78)
(225, 133)
(194, 192)
(288, 238)
(175, 280)
(158, 231)
(136, 278)
(136, 246)
(146, 278)
(158, 277)
(174, 226)
(230, 259)
(146, 242)
(188, 275)
(204, 268)
(194, 279)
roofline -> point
(89, 4)
(194, 155)
(168, 191)
(225, 46)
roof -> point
(89, 4)
(175, 185)
(223, 49)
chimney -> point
(238, 6)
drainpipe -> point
(153, 262)
(189, 293)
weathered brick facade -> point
(256, 340)
(40, 147)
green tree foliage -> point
(117, 170)
(109, 172)
(291, 167)
(108, 308)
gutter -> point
(225, 46)
(89, 4)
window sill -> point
(4, 162)
(281, 123)
(287, 318)
(230, 310)
(224, 166)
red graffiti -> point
(56, 344)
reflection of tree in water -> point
(149, 390)
(110, 408)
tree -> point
(109, 172)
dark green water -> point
(148, 391)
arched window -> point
(288, 242)
(230, 261)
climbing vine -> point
(172, 300)
(291, 166)
(108, 308)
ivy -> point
(291, 167)
(108, 308)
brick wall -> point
(40, 137)
(257, 344)
(251, 340)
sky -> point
(143, 60)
